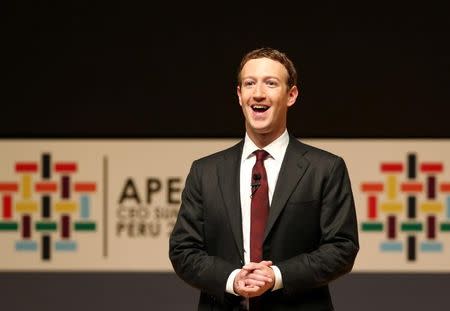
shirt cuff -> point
(230, 282)
(278, 279)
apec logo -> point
(61, 211)
(410, 203)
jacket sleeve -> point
(339, 238)
(187, 247)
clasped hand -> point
(254, 279)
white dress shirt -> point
(276, 150)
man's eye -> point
(248, 83)
(271, 83)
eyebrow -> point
(264, 78)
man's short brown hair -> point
(273, 55)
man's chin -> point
(261, 130)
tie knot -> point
(261, 155)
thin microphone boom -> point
(255, 184)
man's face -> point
(264, 96)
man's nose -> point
(259, 93)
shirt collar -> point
(276, 149)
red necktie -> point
(259, 206)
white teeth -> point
(259, 106)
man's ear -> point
(238, 91)
(293, 94)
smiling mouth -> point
(259, 108)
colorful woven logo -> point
(47, 206)
(410, 207)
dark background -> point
(139, 70)
(152, 70)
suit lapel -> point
(292, 170)
(229, 179)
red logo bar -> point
(392, 167)
(46, 187)
(412, 187)
(7, 207)
(372, 202)
(85, 187)
(431, 167)
(9, 186)
(372, 187)
(445, 187)
(29, 167)
(62, 167)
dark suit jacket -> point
(311, 233)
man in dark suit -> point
(269, 222)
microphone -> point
(255, 184)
